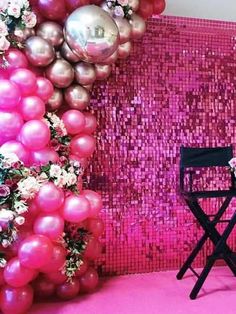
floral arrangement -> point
(120, 8)
(15, 16)
(232, 164)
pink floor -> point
(153, 293)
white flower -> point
(28, 187)
(61, 180)
(19, 220)
(71, 179)
(18, 33)
(14, 10)
(3, 262)
(118, 11)
(3, 5)
(9, 158)
(25, 3)
(4, 43)
(29, 18)
(20, 207)
(232, 162)
(55, 171)
(6, 215)
(5, 243)
(3, 29)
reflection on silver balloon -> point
(112, 59)
(52, 32)
(77, 97)
(56, 101)
(124, 29)
(138, 26)
(134, 4)
(60, 73)
(67, 53)
(38, 51)
(91, 33)
(102, 71)
(124, 50)
(85, 73)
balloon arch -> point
(51, 54)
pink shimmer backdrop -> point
(177, 88)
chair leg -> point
(191, 257)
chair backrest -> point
(192, 157)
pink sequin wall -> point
(177, 88)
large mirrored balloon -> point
(112, 59)
(85, 73)
(38, 51)
(60, 73)
(52, 32)
(77, 97)
(91, 33)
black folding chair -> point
(197, 158)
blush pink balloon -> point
(17, 148)
(17, 275)
(35, 251)
(83, 145)
(74, 121)
(82, 269)
(68, 290)
(35, 134)
(43, 157)
(43, 288)
(10, 95)
(57, 261)
(11, 123)
(89, 281)
(90, 123)
(16, 59)
(56, 277)
(2, 280)
(26, 80)
(23, 234)
(96, 226)
(52, 9)
(74, 4)
(16, 300)
(95, 201)
(44, 88)
(32, 108)
(93, 249)
(49, 197)
(50, 225)
(76, 208)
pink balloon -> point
(57, 261)
(49, 197)
(83, 145)
(44, 88)
(16, 300)
(43, 156)
(35, 251)
(10, 94)
(52, 9)
(95, 201)
(17, 275)
(74, 4)
(68, 290)
(89, 281)
(23, 233)
(43, 288)
(74, 121)
(90, 123)
(11, 123)
(96, 226)
(56, 277)
(26, 80)
(32, 108)
(50, 225)
(16, 59)
(35, 134)
(76, 208)
(83, 268)
(17, 148)
(93, 249)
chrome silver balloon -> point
(124, 50)
(77, 97)
(102, 71)
(138, 26)
(124, 29)
(52, 32)
(68, 54)
(60, 73)
(56, 100)
(85, 73)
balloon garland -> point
(49, 224)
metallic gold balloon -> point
(85, 73)
(91, 33)
(134, 4)
(52, 32)
(138, 26)
(56, 101)
(102, 71)
(38, 51)
(124, 29)
(77, 97)
(60, 73)
(124, 50)
(112, 59)
(67, 53)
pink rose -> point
(118, 11)
(4, 190)
(29, 18)
(4, 43)
(3, 29)
(14, 10)
(3, 5)
(123, 2)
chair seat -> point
(208, 194)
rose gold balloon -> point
(38, 51)
(124, 50)
(24, 34)
(124, 29)
(88, 87)
(68, 54)
(90, 123)
(77, 97)
(60, 73)
(134, 4)
(52, 32)
(102, 71)
(85, 73)
(112, 59)
(56, 101)
(138, 26)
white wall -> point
(224, 10)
